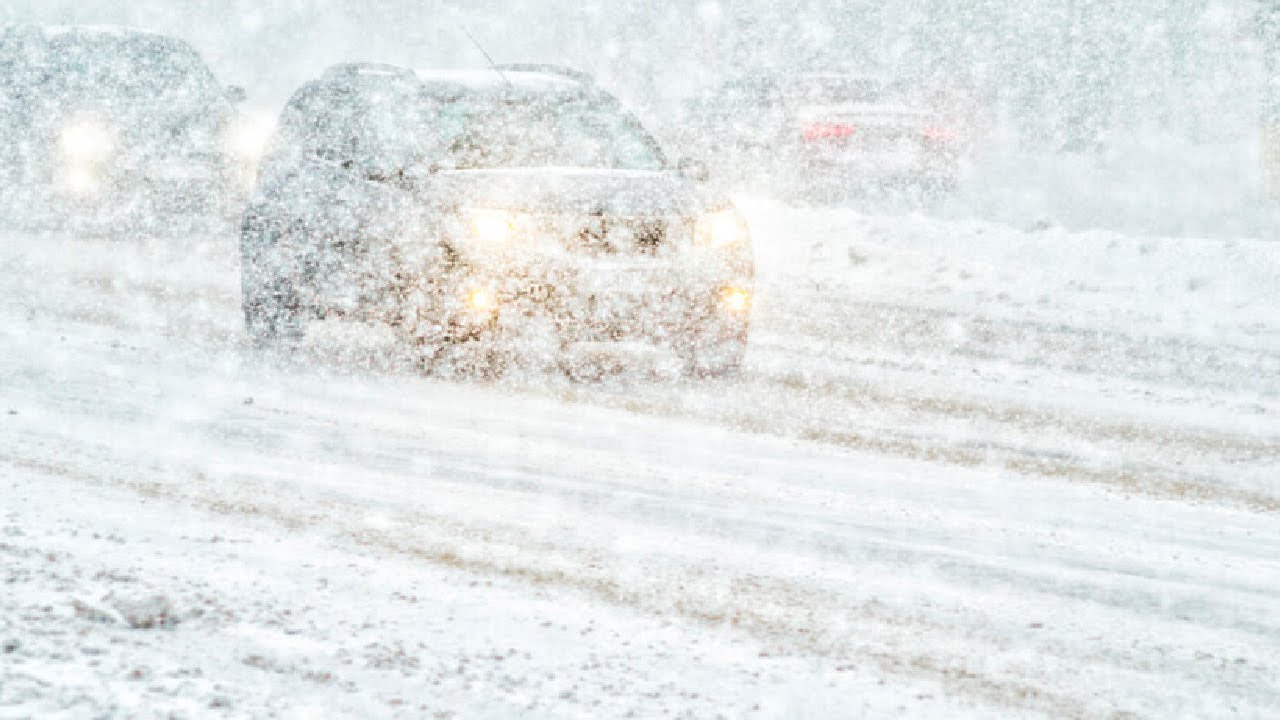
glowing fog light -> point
(82, 180)
(482, 299)
(722, 229)
(735, 299)
(87, 141)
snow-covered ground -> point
(969, 471)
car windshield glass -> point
(834, 90)
(391, 128)
(133, 68)
(523, 133)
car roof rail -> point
(549, 68)
(356, 69)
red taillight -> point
(828, 131)
(934, 133)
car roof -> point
(491, 81)
(831, 75)
(506, 82)
(784, 76)
(113, 32)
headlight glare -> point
(496, 228)
(722, 229)
(735, 299)
(87, 140)
(482, 299)
(248, 136)
(82, 181)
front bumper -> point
(183, 183)
(590, 300)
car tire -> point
(270, 320)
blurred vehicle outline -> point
(422, 200)
(104, 117)
(820, 135)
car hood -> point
(574, 190)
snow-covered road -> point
(968, 471)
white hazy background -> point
(1141, 116)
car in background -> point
(513, 213)
(104, 120)
(821, 135)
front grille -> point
(614, 235)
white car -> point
(102, 118)
(821, 134)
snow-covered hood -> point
(574, 190)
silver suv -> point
(488, 215)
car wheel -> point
(272, 316)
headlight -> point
(82, 181)
(87, 140)
(721, 229)
(247, 137)
(735, 299)
(497, 228)
(482, 299)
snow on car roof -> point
(105, 31)
(494, 81)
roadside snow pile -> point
(1223, 291)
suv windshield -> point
(133, 68)
(500, 133)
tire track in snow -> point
(780, 417)
(788, 617)
(1148, 480)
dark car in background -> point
(821, 135)
(108, 120)
(515, 213)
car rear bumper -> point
(911, 163)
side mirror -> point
(236, 94)
(692, 169)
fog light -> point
(482, 299)
(87, 139)
(735, 299)
(82, 181)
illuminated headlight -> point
(735, 299)
(720, 230)
(247, 138)
(82, 180)
(497, 228)
(87, 141)
(482, 299)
